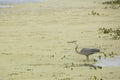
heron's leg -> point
(87, 57)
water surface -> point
(18, 1)
(115, 61)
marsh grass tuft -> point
(95, 13)
(94, 78)
(110, 33)
(66, 79)
(113, 4)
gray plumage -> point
(88, 51)
(85, 51)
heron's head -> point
(72, 42)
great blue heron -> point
(85, 51)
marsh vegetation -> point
(95, 13)
(113, 4)
(111, 33)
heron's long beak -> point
(71, 41)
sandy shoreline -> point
(33, 39)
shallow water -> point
(115, 61)
(5, 6)
(5, 3)
(18, 1)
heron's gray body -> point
(85, 51)
(88, 51)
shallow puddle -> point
(115, 61)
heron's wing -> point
(95, 50)
(88, 51)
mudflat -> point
(34, 36)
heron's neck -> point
(76, 48)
